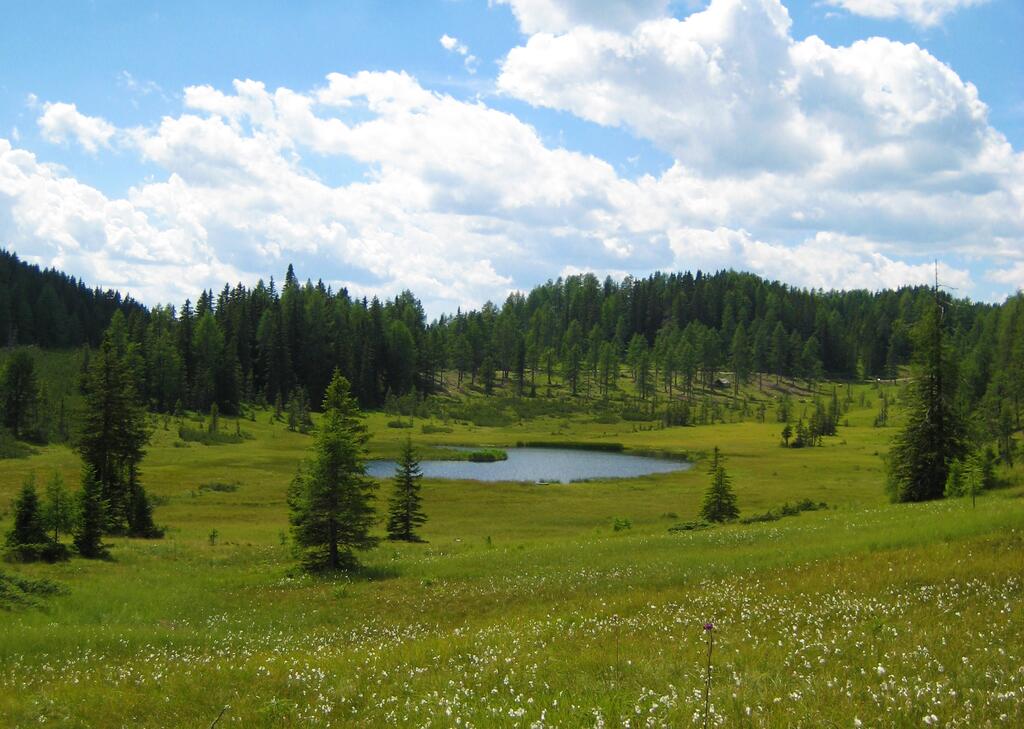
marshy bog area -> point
(562, 604)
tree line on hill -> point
(673, 332)
(50, 309)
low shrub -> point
(483, 414)
(220, 486)
(18, 592)
(689, 526)
(480, 455)
(487, 455)
(637, 415)
(786, 509)
(400, 423)
(430, 429)
(10, 448)
(46, 552)
(766, 516)
(621, 524)
(204, 437)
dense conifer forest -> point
(51, 309)
(274, 344)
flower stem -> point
(707, 685)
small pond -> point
(542, 464)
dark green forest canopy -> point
(51, 309)
(265, 342)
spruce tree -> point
(330, 499)
(29, 528)
(934, 434)
(114, 433)
(719, 500)
(405, 514)
(88, 532)
(19, 392)
(140, 514)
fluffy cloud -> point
(877, 140)
(825, 261)
(555, 16)
(53, 219)
(60, 122)
(816, 165)
(925, 13)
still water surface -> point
(542, 464)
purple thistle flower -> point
(708, 627)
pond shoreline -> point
(551, 463)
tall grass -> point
(524, 606)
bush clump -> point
(11, 448)
(219, 486)
(786, 509)
(16, 592)
(487, 455)
(689, 526)
(205, 437)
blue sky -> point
(466, 148)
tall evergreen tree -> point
(19, 392)
(330, 499)
(29, 528)
(935, 432)
(140, 514)
(88, 531)
(719, 500)
(405, 514)
(114, 434)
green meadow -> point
(526, 606)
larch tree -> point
(740, 358)
(59, 509)
(331, 498)
(405, 513)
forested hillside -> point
(50, 308)
(671, 331)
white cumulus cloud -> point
(924, 13)
(60, 122)
(877, 140)
(556, 16)
(822, 166)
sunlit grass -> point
(524, 607)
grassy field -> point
(525, 608)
